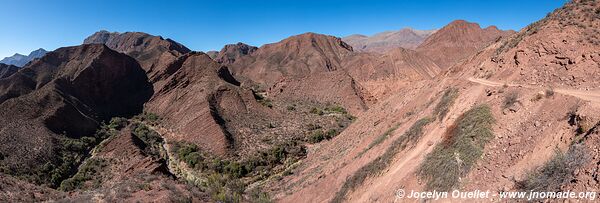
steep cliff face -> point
(7, 70)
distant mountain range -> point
(384, 41)
(20, 60)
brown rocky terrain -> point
(154, 53)
(407, 38)
(59, 100)
(382, 74)
(7, 70)
(231, 52)
(457, 41)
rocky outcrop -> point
(7, 70)
(231, 52)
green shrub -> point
(331, 133)
(319, 135)
(258, 196)
(317, 111)
(463, 144)
(379, 139)
(152, 139)
(316, 136)
(225, 189)
(557, 171)
(336, 109)
(118, 123)
(88, 171)
(412, 135)
(447, 100)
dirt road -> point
(588, 95)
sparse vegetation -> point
(320, 135)
(336, 109)
(510, 99)
(152, 140)
(258, 196)
(70, 155)
(412, 135)
(223, 188)
(148, 118)
(224, 176)
(557, 171)
(88, 171)
(317, 111)
(463, 145)
(380, 139)
(262, 99)
(447, 100)
(329, 110)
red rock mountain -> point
(64, 95)
(154, 53)
(7, 70)
(397, 63)
(382, 42)
(457, 41)
(296, 56)
(231, 52)
(381, 74)
(190, 99)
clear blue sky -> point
(208, 25)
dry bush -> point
(464, 144)
(510, 99)
(557, 171)
(447, 100)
